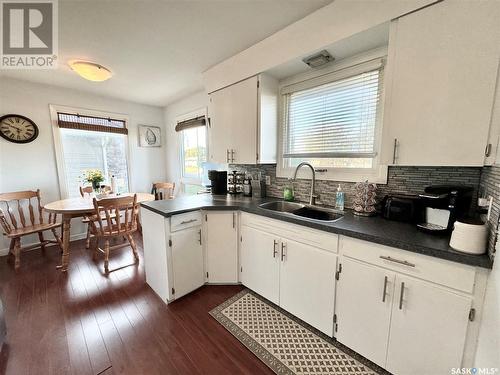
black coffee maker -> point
(218, 182)
(442, 205)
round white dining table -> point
(79, 207)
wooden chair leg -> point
(106, 256)
(58, 238)
(17, 253)
(87, 241)
(42, 246)
(133, 246)
(11, 246)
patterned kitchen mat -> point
(283, 342)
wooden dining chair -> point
(163, 190)
(17, 223)
(106, 224)
(88, 191)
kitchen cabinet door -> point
(222, 247)
(428, 328)
(441, 74)
(307, 283)
(363, 308)
(260, 262)
(187, 261)
(219, 126)
(244, 121)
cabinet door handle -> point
(401, 295)
(188, 221)
(283, 248)
(275, 250)
(232, 156)
(385, 289)
(227, 155)
(394, 151)
(199, 233)
(234, 220)
(403, 262)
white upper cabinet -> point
(243, 122)
(221, 234)
(441, 75)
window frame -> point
(180, 142)
(59, 153)
(337, 71)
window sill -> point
(376, 175)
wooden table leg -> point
(66, 221)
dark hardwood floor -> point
(84, 322)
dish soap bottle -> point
(339, 199)
(288, 193)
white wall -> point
(193, 102)
(33, 165)
(334, 22)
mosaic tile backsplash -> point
(401, 180)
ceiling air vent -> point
(319, 59)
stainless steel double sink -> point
(303, 210)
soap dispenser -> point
(339, 199)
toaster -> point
(403, 208)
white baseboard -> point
(74, 237)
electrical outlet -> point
(268, 180)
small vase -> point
(96, 186)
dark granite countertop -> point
(374, 229)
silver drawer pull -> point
(188, 221)
(385, 289)
(401, 296)
(403, 262)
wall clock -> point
(18, 129)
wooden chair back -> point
(107, 220)
(17, 210)
(89, 190)
(163, 190)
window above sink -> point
(332, 118)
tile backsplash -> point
(401, 180)
(490, 186)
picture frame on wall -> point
(149, 136)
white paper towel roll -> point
(469, 238)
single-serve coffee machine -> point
(218, 182)
(442, 205)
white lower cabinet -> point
(364, 302)
(307, 283)
(405, 325)
(221, 247)
(187, 260)
(428, 328)
(298, 277)
(260, 263)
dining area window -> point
(89, 143)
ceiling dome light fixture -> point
(90, 71)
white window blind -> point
(335, 119)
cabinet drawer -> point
(184, 221)
(439, 271)
(313, 237)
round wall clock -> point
(18, 129)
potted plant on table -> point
(94, 177)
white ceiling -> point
(157, 49)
